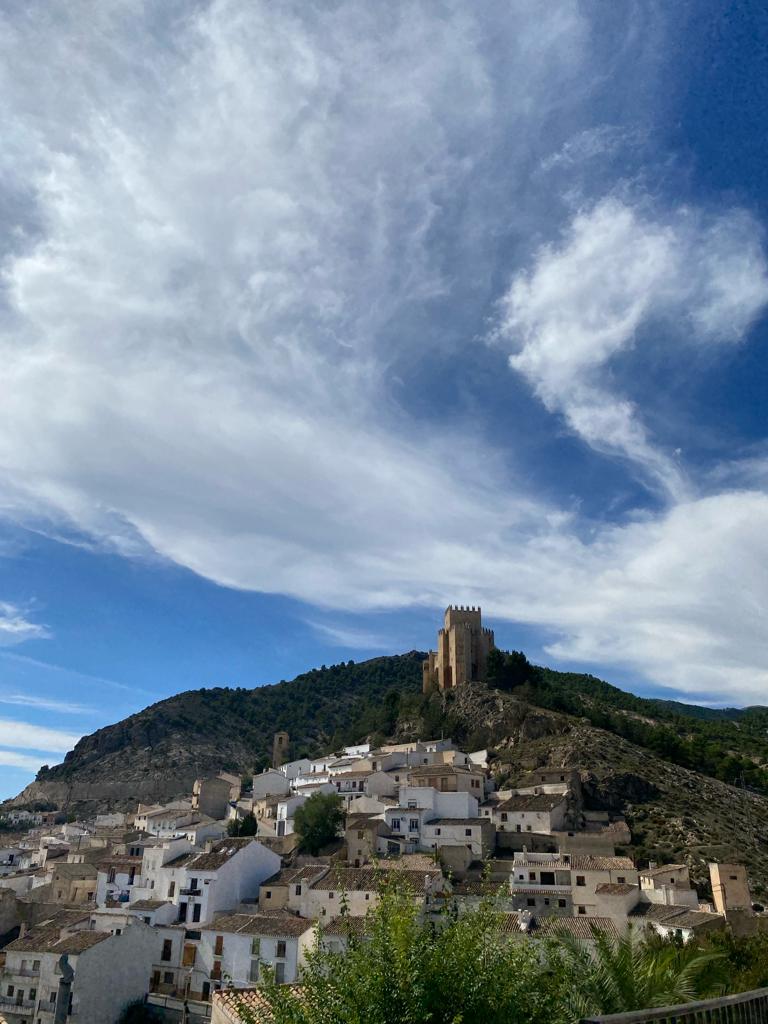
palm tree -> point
(635, 973)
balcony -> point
(19, 1006)
(23, 972)
(748, 1007)
(190, 892)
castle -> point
(463, 646)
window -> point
(168, 978)
(580, 880)
(531, 902)
(367, 895)
(582, 910)
(280, 948)
(255, 945)
(52, 996)
(182, 911)
(167, 949)
(411, 805)
(193, 883)
(111, 875)
(413, 825)
(218, 946)
(395, 824)
(171, 889)
(504, 816)
(561, 903)
(196, 912)
(280, 973)
(734, 878)
(206, 990)
(298, 890)
(467, 831)
(147, 920)
(437, 832)
(33, 993)
(361, 833)
(35, 965)
(254, 972)
(531, 876)
(622, 878)
(10, 990)
(268, 894)
(546, 901)
(330, 895)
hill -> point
(159, 752)
(693, 784)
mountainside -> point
(667, 766)
(159, 752)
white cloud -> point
(43, 703)
(27, 762)
(620, 268)
(232, 223)
(23, 735)
(15, 627)
(354, 639)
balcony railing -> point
(746, 1008)
(190, 892)
(13, 1005)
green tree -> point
(319, 821)
(407, 971)
(633, 973)
(247, 826)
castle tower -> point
(463, 646)
(279, 749)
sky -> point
(316, 317)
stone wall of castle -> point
(463, 646)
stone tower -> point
(279, 749)
(463, 646)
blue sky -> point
(317, 317)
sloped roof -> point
(220, 853)
(579, 927)
(277, 924)
(589, 863)
(674, 916)
(531, 802)
(147, 904)
(290, 876)
(615, 888)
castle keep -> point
(462, 651)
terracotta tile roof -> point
(147, 904)
(344, 926)
(469, 822)
(480, 887)
(279, 924)
(230, 1001)
(531, 802)
(289, 876)
(579, 927)
(602, 863)
(615, 888)
(673, 916)
(220, 853)
(370, 879)
(48, 939)
(662, 869)
(510, 924)
(441, 769)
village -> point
(179, 911)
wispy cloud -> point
(27, 762)
(354, 639)
(25, 736)
(15, 627)
(44, 703)
(620, 267)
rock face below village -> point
(674, 813)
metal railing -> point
(745, 1008)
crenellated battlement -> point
(463, 645)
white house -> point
(29, 983)
(270, 782)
